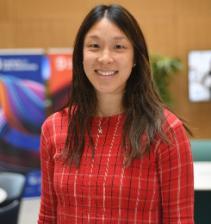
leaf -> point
(163, 68)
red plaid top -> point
(155, 189)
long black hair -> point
(142, 105)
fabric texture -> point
(157, 189)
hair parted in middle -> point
(142, 105)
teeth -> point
(106, 73)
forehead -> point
(105, 28)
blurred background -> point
(172, 28)
(41, 34)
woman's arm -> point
(175, 168)
(47, 214)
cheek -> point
(127, 64)
(86, 66)
(88, 61)
(127, 60)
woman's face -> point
(108, 58)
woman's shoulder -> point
(56, 119)
(171, 120)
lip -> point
(105, 73)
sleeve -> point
(47, 213)
(175, 169)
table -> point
(202, 176)
(3, 195)
(202, 187)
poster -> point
(22, 112)
(59, 82)
(33, 85)
(199, 73)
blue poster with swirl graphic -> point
(22, 112)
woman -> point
(115, 154)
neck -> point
(109, 105)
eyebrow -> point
(115, 37)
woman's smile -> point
(106, 73)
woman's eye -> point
(119, 46)
(93, 46)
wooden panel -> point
(6, 13)
(171, 27)
(7, 33)
(44, 33)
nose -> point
(105, 56)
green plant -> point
(163, 68)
